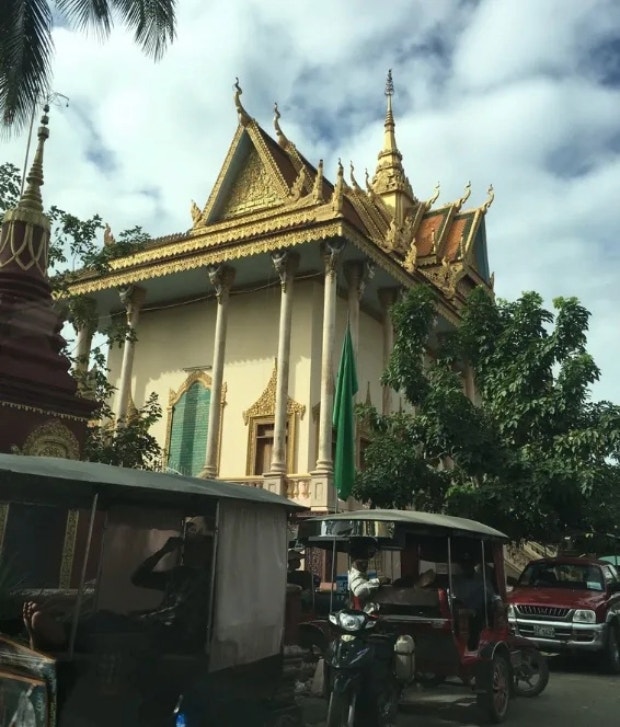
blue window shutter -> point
(188, 434)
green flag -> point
(344, 420)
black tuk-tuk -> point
(92, 549)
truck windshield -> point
(580, 576)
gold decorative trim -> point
(21, 244)
(58, 415)
(4, 516)
(265, 405)
(52, 439)
(68, 549)
(263, 412)
(174, 397)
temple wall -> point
(172, 339)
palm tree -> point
(26, 45)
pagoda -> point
(41, 412)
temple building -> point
(239, 321)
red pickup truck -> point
(569, 605)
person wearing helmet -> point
(361, 587)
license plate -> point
(545, 632)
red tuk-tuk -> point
(450, 598)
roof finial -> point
(282, 140)
(465, 197)
(353, 180)
(317, 188)
(244, 119)
(31, 199)
(389, 92)
(338, 195)
(491, 197)
(435, 196)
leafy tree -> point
(26, 45)
(534, 456)
(73, 247)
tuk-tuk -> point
(450, 598)
(150, 599)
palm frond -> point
(25, 51)
(152, 21)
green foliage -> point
(74, 247)
(534, 457)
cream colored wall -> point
(181, 337)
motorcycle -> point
(367, 670)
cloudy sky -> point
(521, 93)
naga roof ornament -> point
(244, 118)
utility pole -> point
(51, 98)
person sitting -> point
(361, 587)
(471, 589)
(175, 622)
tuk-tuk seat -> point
(413, 601)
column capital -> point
(82, 313)
(388, 296)
(331, 252)
(222, 278)
(358, 273)
(132, 297)
(286, 264)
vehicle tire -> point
(341, 710)
(532, 676)
(494, 703)
(611, 657)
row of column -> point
(357, 273)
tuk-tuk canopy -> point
(389, 526)
(54, 480)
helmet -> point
(363, 548)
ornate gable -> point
(252, 190)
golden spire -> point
(244, 119)
(282, 140)
(31, 198)
(390, 181)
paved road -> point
(574, 698)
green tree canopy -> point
(533, 456)
(73, 247)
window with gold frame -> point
(260, 420)
(363, 436)
(196, 382)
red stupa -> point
(41, 412)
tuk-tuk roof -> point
(416, 519)
(52, 480)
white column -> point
(331, 255)
(387, 297)
(357, 274)
(222, 278)
(85, 323)
(133, 299)
(286, 264)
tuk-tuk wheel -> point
(493, 702)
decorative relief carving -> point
(52, 439)
(251, 190)
(331, 255)
(286, 264)
(222, 277)
(265, 405)
(19, 246)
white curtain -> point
(250, 590)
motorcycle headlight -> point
(584, 616)
(350, 621)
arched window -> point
(188, 424)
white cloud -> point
(519, 93)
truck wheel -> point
(493, 703)
(532, 675)
(612, 650)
